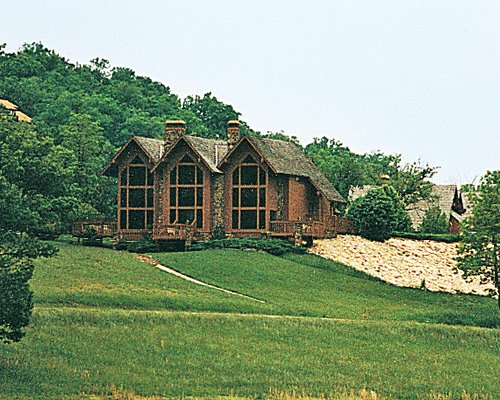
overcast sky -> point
(421, 78)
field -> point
(106, 324)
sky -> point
(418, 78)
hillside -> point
(107, 324)
(403, 262)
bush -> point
(145, 245)
(272, 246)
(447, 238)
(379, 213)
(434, 221)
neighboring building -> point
(14, 110)
(186, 185)
(446, 197)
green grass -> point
(106, 323)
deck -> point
(278, 229)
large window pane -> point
(173, 197)
(123, 198)
(199, 176)
(185, 216)
(173, 216)
(124, 177)
(199, 218)
(137, 176)
(123, 219)
(199, 197)
(235, 219)
(236, 197)
(249, 175)
(248, 219)
(149, 219)
(262, 219)
(262, 197)
(150, 178)
(248, 197)
(173, 176)
(236, 176)
(186, 175)
(150, 198)
(136, 198)
(186, 197)
(136, 219)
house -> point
(14, 110)
(446, 197)
(187, 187)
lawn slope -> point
(105, 322)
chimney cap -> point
(233, 123)
(175, 122)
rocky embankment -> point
(403, 262)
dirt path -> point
(403, 262)
(152, 261)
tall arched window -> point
(249, 196)
(136, 196)
(186, 193)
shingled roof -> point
(283, 158)
(443, 196)
(287, 158)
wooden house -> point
(187, 187)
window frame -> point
(124, 189)
(238, 187)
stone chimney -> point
(233, 132)
(173, 131)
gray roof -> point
(152, 147)
(283, 158)
(287, 158)
(442, 196)
(211, 150)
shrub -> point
(379, 213)
(434, 221)
(447, 238)
(272, 246)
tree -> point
(434, 221)
(479, 249)
(379, 213)
(17, 252)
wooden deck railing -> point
(96, 229)
(171, 231)
(336, 224)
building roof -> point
(287, 158)
(14, 110)
(282, 157)
(152, 147)
(442, 196)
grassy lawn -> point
(106, 323)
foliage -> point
(346, 169)
(437, 237)
(145, 245)
(272, 246)
(17, 252)
(480, 245)
(434, 221)
(379, 213)
(281, 135)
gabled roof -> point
(152, 149)
(287, 158)
(209, 150)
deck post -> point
(298, 234)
